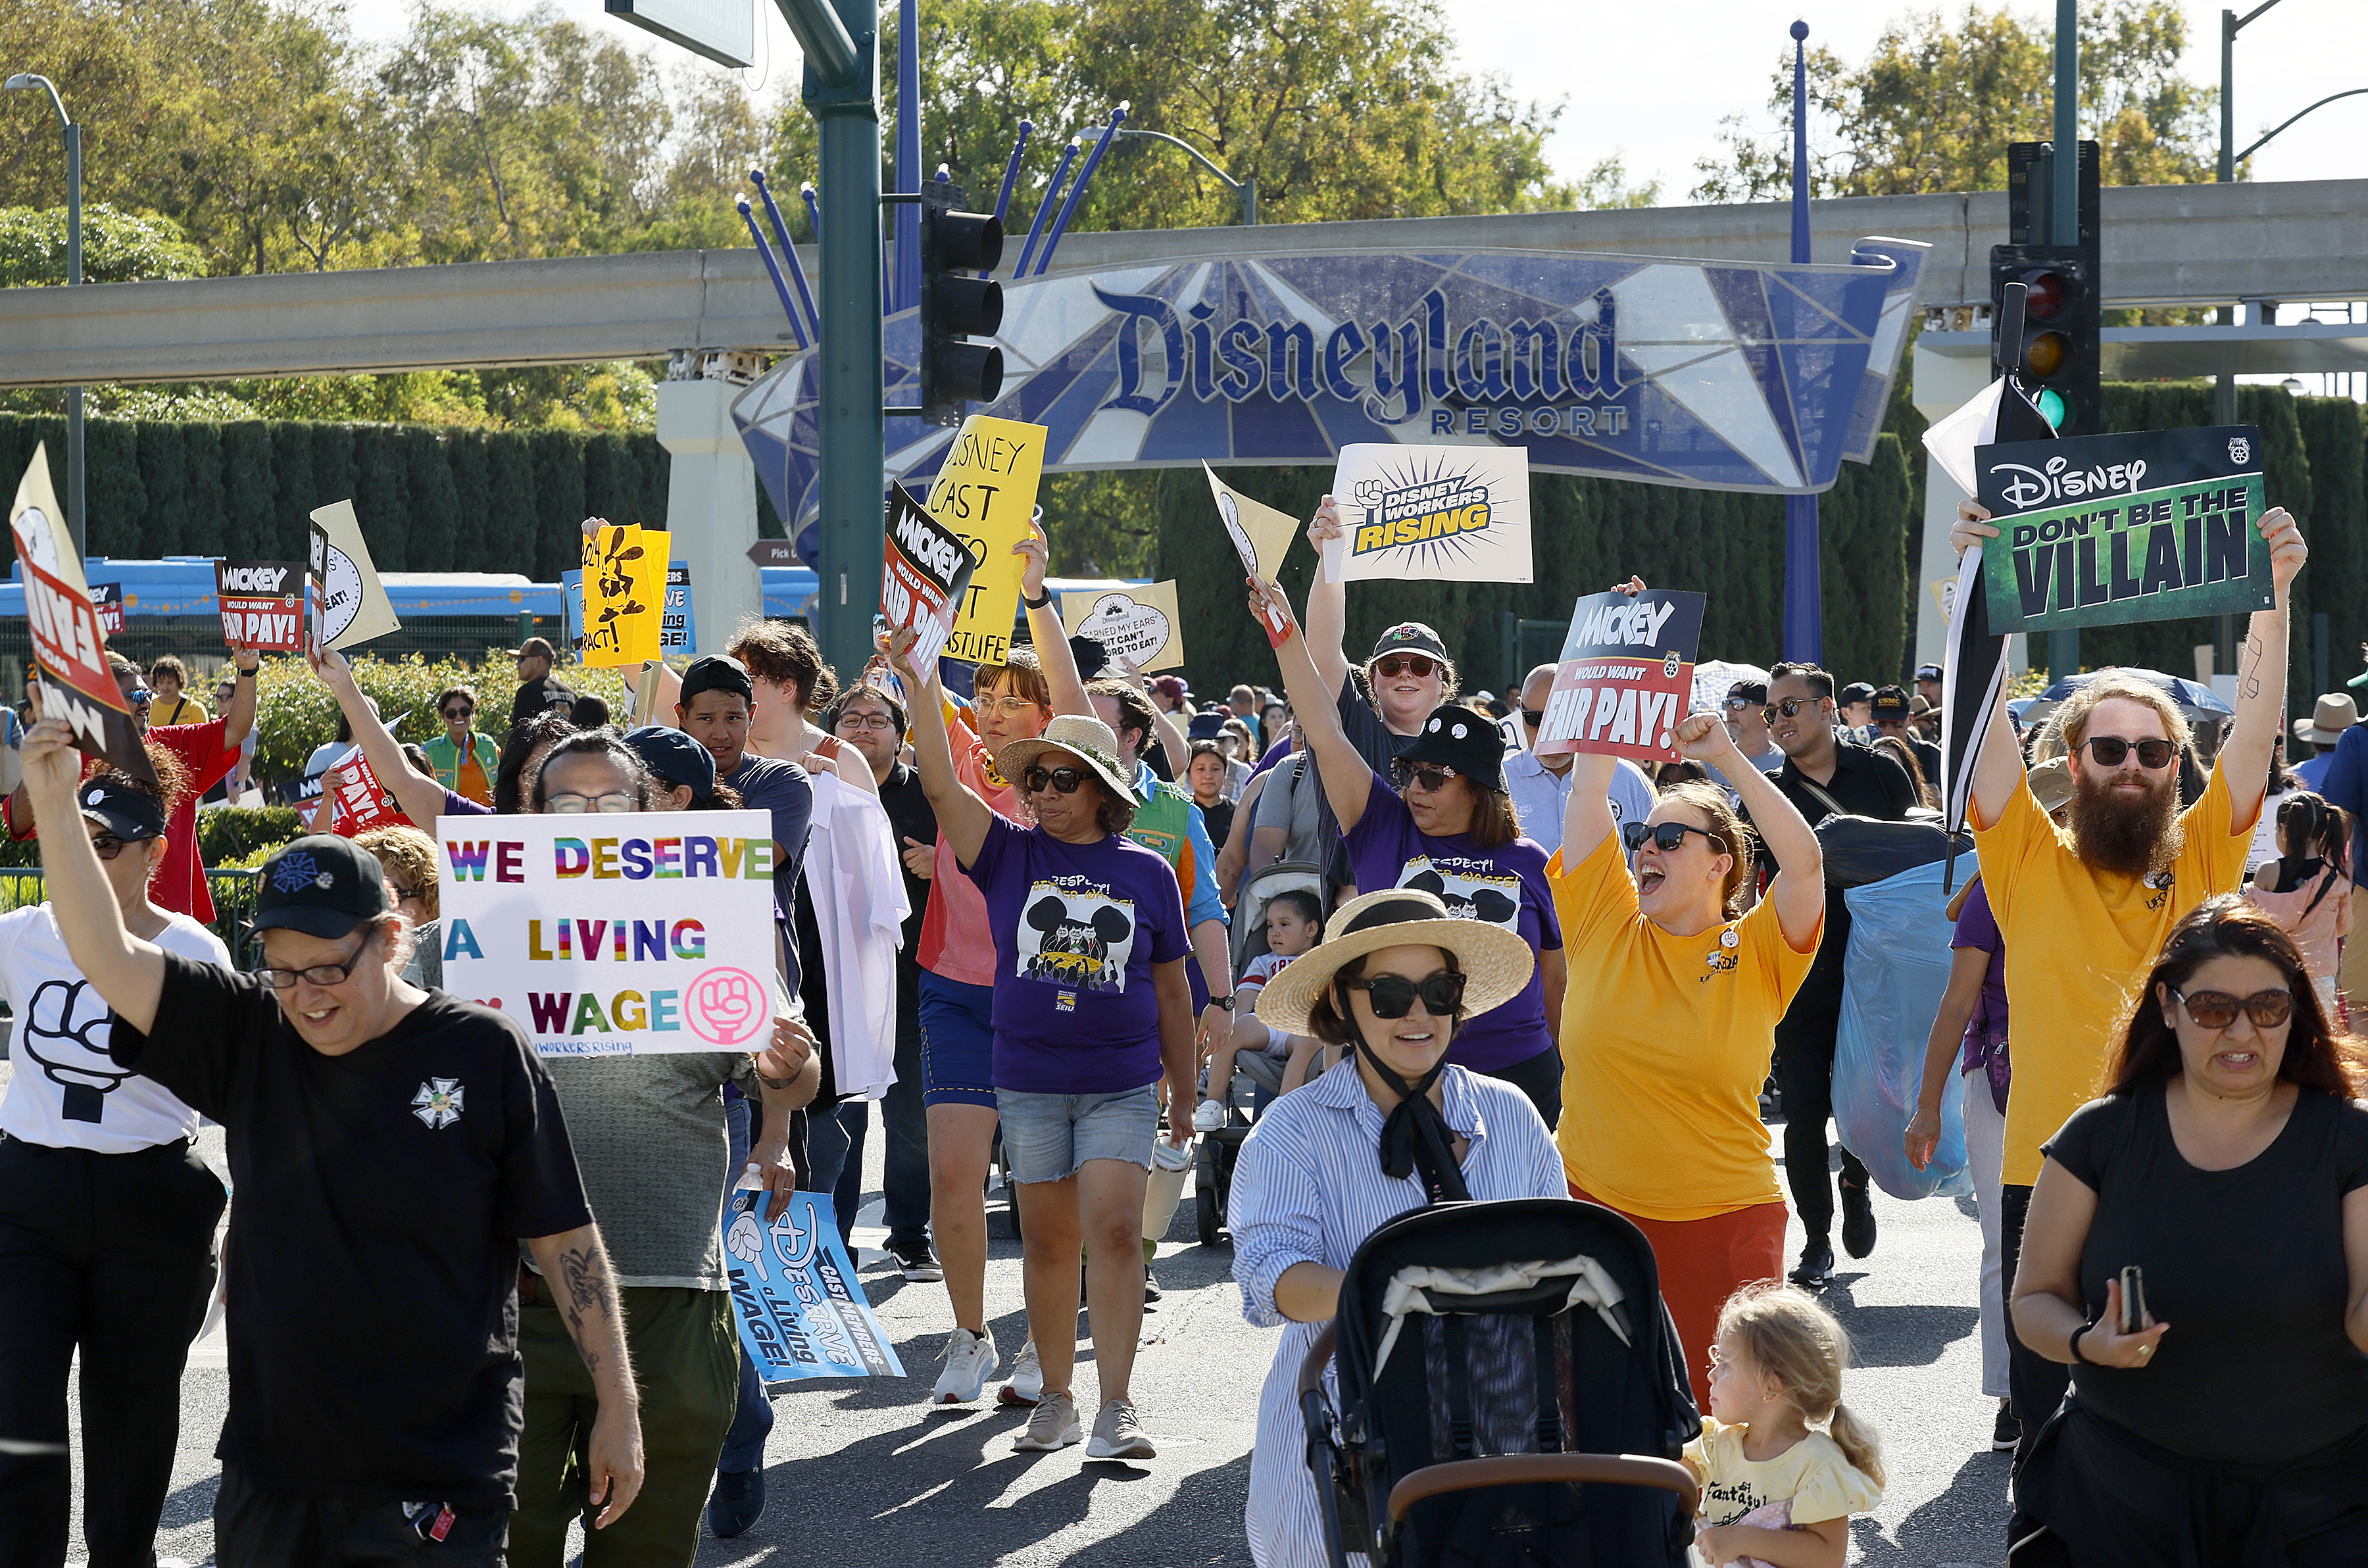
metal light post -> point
(1245, 189)
(23, 83)
(2064, 188)
(1804, 639)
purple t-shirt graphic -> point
(1505, 886)
(1078, 927)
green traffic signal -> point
(2052, 407)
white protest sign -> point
(633, 933)
(1440, 514)
(349, 606)
(1139, 625)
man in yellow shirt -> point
(2084, 913)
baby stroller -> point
(1512, 1395)
(1214, 1157)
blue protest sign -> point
(677, 628)
(794, 1293)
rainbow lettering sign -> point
(624, 935)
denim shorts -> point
(957, 1043)
(1050, 1137)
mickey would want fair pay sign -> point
(630, 934)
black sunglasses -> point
(1393, 996)
(108, 845)
(459, 712)
(1788, 707)
(1668, 834)
(1533, 717)
(1432, 778)
(2217, 1009)
(1065, 779)
(2109, 750)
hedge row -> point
(432, 500)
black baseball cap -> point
(1748, 691)
(674, 757)
(1927, 672)
(1465, 740)
(1891, 702)
(1408, 637)
(717, 672)
(1856, 691)
(1207, 726)
(127, 813)
(321, 885)
(536, 648)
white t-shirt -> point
(65, 1092)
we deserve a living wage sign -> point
(2106, 530)
(633, 933)
(1626, 675)
(799, 1314)
(1447, 514)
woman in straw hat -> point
(1671, 1018)
(1393, 1128)
(1091, 1007)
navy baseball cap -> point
(674, 757)
(1208, 726)
(321, 885)
(127, 813)
(1857, 691)
(1927, 672)
(717, 672)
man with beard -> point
(2084, 915)
(1823, 776)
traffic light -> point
(2058, 349)
(958, 304)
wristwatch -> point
(1224, 1002)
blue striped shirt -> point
(1310, 1188)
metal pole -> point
(1803, 608)
(2066, 182)
(1250, 202)
(2224, 385)
(76, 521)
(908, 291)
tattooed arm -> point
(575, 1270)
(2261, 678)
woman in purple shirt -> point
(1450, 829)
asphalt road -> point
(867, 1475)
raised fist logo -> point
(1370, 492)
(727, 1007)
(69, 1039)
(746, 1241)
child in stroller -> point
(1294, 922)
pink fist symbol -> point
(727, 1007)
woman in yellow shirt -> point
(1670, 1017)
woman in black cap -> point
(1448, 828)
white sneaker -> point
(1209, 1117)
(970, 1361)
(1027, 1385)
(1118, 1435)
(1051, 1425)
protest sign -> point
(349, 605)
(1441, 514)
(2107, 531)
(624, 595)
(986, 493)
(631, 934)
(76, 683)
(1626, 677)
(107, 603)
(1139, 625)
(924, 577)
(262, 604)
(677, 632)
(794, 1292)
(358, 802)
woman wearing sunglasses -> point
(465, 758)
(1449, 828)
(1671, 1018)
(2227, 1163)
(1091, 1010)
(1398, 979)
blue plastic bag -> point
(1897, 968)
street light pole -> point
(22, 83)
(1245, 189)
(2224, 390)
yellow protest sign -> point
(1261, 535)
(1139, 625)
(624, 595)
(986, 493)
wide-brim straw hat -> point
(1496, 964)
(1090, 740)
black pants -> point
(1805, 1076)
(254, 1528)
(904, 1181)
(112, 1254)
(1540, 1077)
(2036, 1384)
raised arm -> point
(1799, 890)
(128, 972)
(238, 719)
(1044, 627)
(1347, 777)
(1327, 608)
(576, 1271)
(1587, 816)
(2261, 677)
(962, 817)
(1233, 858)
(421, 798)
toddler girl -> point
(2303, 889)
(1777, 1494)
(1293, 924)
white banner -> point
(624, 935)
(1445, 514)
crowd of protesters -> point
(1496, 972)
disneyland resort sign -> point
(1718, 375)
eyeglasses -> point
(2217, 1009)
(1396, 665)
(1432, 779)
(1036, 781)
(2109, 750)
(572, 805)
(1533, 717)
(460, 712)
(322, 974)
(1788, 707)
(880, 721)
(407, 895)
(1666, 835)
(1393, 996)
(108, 845)
(1009, 705)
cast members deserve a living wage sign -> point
(602, 933)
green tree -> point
(117, 247)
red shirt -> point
(180, 884)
